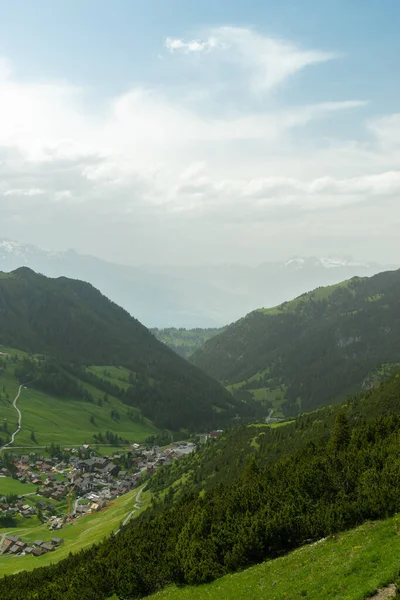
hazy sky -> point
(179, 131)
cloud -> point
(267, 61)
(176, 44)
(148, 162)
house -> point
(12, 538)
(38, 542)
(37, 552)
(47, 546)
(110, 469)
(57, 541)
(28, 550)
(14, 549)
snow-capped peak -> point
(327, 262)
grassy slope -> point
(351, 566)
(8, 485)
(80, 534)
(66, 421)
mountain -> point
(188, 296)
(185, 341)
(75, 325)
(313, 350)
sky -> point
(185, 132)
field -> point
(68, 421)
(79, 534)
(349, 566)
(8, 485)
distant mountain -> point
(76, 326)
(193, 296)
(185, 341)
(313, 350)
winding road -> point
(19, 422)
(271, 412)
(136, 507)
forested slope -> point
(314, 349)
(333, 478)
(74, 324)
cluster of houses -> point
(96, 480)
(14, 545)
(103, 475)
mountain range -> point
(189, 296)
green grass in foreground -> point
(350, 566)
(80, 534)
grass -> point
(67, 421)
(8, 485)
(351, 566)
(80, 534)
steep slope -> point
(315, 349)
(74, 323)
(188, 296)
(335, 479)
(353, 565)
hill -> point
(313, 350)
(353, 565)
(336, 470)
(185, 341)
(73, 325)
(188, 296)
(81, 416)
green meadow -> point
(8, 485)
(68, 421)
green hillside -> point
(259, 493)
(185, 341)
(349, 566)
(66, 420)
(74, 326)
(314, 350)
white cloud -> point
(151, 156)
(192, 46)
(267, 61)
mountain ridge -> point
(314, 349)
(188, 296)
(72, 322)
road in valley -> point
(19, 422)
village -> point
(73, 483)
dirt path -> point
(136, 507)
(385, 593)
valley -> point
(91, 439)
